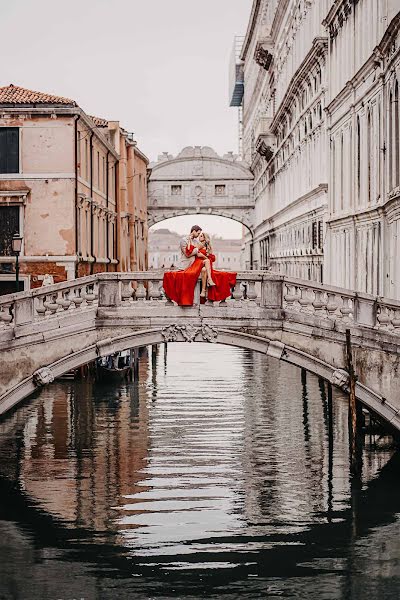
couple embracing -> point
(197, 260)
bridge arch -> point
(204, 333)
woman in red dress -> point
(179, 286)
(224, 280)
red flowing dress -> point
(179, 286)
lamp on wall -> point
(16, 246)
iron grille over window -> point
(220, 190)
(9, 150)
(9, 226)
(176, 190)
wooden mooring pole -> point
(355, 414)
(136, 364)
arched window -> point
(358, 160)
(391, 179)
(341, 173)
(369, 150)
(396, 136)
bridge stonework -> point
(46, 332)
(200, 182)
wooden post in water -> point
(355, 414)
(136, 364)
(154, 350)
(330, 452)
(131, 361)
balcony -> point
(236, 73)
(264, 139)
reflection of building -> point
(321, 132)
(164, 250)
(73, 185)
(92, 466)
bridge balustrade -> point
(254, 289)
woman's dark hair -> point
(195, 228)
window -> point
(220, 190)
(9, 150)
(358, 160)
(176, 190)
(320, 234)
(9, 226)
(314, 234)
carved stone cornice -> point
(315, 55)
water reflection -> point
(223, 472)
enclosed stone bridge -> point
(44, 333)
(200, 182)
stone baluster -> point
(290, 296)
(40, 307)
(396, 319)
(154, 290)
(126, 291)
(305, 300)
(51, 303)
(141, 292)
(63, 299)
(237, 292)
(319, 303)
(346, 309)
(383, 317)
(77, 297)
(252, 293)
(6, 314)
(332, 305)
(89, 295)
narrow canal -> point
(222, 474)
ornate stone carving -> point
(189, 333)
(43, 376)
(340, 378)
(263, 57)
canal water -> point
(222, 474)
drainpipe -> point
(117, 218)
(107, 222)
(77, 223)
(91, 210)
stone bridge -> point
(48, 331)
(200, 182)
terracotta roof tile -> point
(13, 94)
(99, 122)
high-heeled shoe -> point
(211, 284)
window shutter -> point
(9, 150)
(3, 150)
(13, 150)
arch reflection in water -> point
(220, 465)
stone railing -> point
(48, 301)
(254, 289)
(340, 305)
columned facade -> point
(363, 126)
(321, 133)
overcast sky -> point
(160, 67)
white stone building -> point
(164, 250)
(318, 85)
